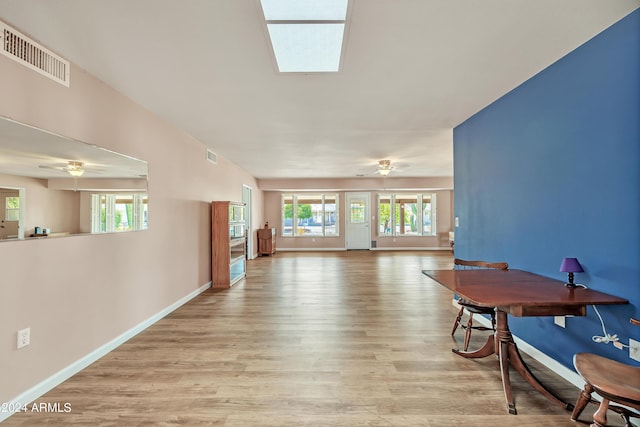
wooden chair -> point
(613, 381)
(461, 264)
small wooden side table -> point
(266, 241)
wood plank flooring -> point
(358, 338)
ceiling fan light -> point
(75, 169)
(384, 167)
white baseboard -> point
(550, 363)
(372, 249)
(279, 249)
(411, 248)
(66, 373)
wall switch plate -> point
(634, 349)
(24, 337)
(560, 321)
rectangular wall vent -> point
(27, 52)
(212, 157)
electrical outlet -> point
(560, 321)
(24, 337)
(634, 349)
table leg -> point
(510, 356)
(505, 339)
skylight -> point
(306, 35)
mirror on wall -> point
(53, 186)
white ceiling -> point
(412, 70)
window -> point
(12, 208)
(406, 215)
(309, 215)
(357, 211)
(118, 212)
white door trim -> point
(358, 236)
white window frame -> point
(292, 230)
(109, 202)
(11, 214)
(420, 201)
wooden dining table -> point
(521, 294)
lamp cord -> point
(605, 338)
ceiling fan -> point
(383, 168)
(72, 167)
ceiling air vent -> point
(212, 157)
(22, 49)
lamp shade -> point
(571, 265)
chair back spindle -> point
(462, 264)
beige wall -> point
(357, 184)
(78, 293)
(444, 221)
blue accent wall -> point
(552, 170)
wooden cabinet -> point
(228, 248)
(266, 241)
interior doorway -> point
(11, 213)
(247, 193)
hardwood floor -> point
(356, 338)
